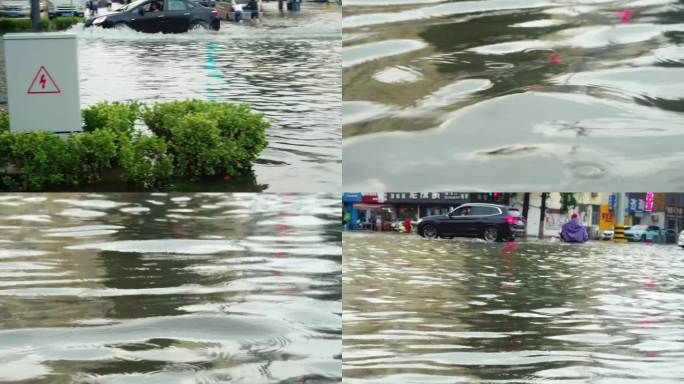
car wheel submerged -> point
(643, 238)
(430, 232)
(490, 234)
(199, 25)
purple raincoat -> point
(574, 232)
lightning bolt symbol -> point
(42, 81)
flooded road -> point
(568, 93)
(154, 288)
(288, 69)
(464, 311)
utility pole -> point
(542, 214)
(619, 220)
(35, 15)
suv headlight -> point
(99, 20)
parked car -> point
(680, 241)
(491, 222)
(172, 16)
(642, 232)
(607, 234)
(15, 8)
(66, 8)
(669, 235)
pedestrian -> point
(253, 6)
(378, 223)
(407, 225)
(93, 7)
(237, 11)
(573, 231)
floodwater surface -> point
(463, 311)
(529, 94)
(155, 288)
(287, 68)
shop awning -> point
(371, 206)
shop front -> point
(375, 217)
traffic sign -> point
(43, 83)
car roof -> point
(485, 205)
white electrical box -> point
(42, 82)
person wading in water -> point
(573, 231)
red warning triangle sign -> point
(43, 83)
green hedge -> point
(193, 139)
(119, 117)
(25, 25)
(4, 121)
(208, 138)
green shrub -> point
(198, 148)
(194, 139)
(4, 121)
(95, 151)
(235, 121)
(146, 162)
(15, 25)
(42, 159)
(241, 135)
(25, 25)
(6, 141)
(161, 118)
(118, 117)
(62, 23)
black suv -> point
(167, 16)
(491, 222)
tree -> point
(526, 205)
(568, 201)
(542, 214)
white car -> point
(607, 234)
(680, 242)
(642, 232)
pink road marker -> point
(555, 59)
(625, 15)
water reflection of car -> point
(174, 16)
(642, 232)
(490, 222)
